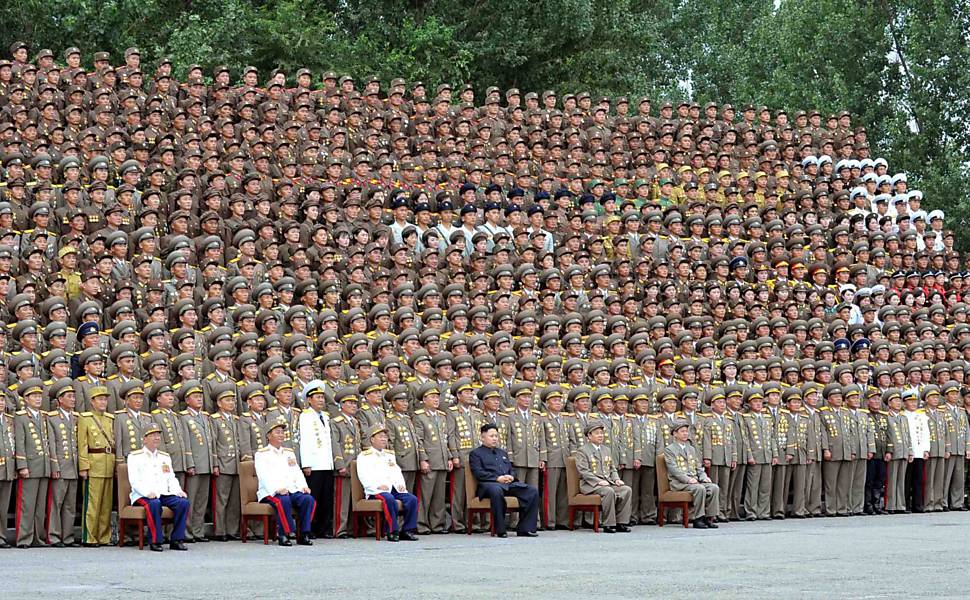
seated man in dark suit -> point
(493, 471)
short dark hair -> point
(487, 426)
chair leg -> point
(242, 528)
(684, 508)
(266, 530)
(491, 523)
(378, 527)
(572, 515)
(596, 519)
(660, 514)
(468, 521)
(141, 535)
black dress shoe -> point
(218, 538)
(4, 543)
(711, 524)
(609, 530)
(72, 545)
(285, 541)
(408, 536)
(304, 540)
(189, 540)
(203, 539)
(649, 522)
(92, 545)
(232, 538)
(393, 536)
(623, 529)
(326, 536)
(155, 547)
(343, 536)
(634, 522)
(722, 520)
(527, 534)
(57, 545)
(502, 535)
(177, 545)
(699, 524)
(562, 528)
(23, 546)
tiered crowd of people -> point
(183, 257)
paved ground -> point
(903, 556)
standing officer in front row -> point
(153, 485)
(381, 478)
(282, 486)
(96, 465)
(686, 473)
(598, 475)
(493, 470)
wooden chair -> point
(580, 502)
(667, 498)
(250, 508)
(130, 515)
(361, 507)
(474, 505)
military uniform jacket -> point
(226, 430)
(558, 442)
(32, 442)
(62, 434)
(346, 435)
(82, 388)
(8, 471)
(95, 444)
(129, 432)
(666, 422)
(623, 440)
(464, 426)
(737, 424)
(252, 433)
(939, 440)
(862, 436)
(718, 442)
(595, 464)
(501, 420)
(835, 432)
(369, 415)
(525, 437)
(115, 402)
(957, 426)
(173, 437)
(431, 428)
(402, 440)
(897, 440)
(793, 437)
(814, 433)
(759, 437)
(683, 464)
(200, 441)
(291, 417)
(879, 424)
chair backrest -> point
(124, 487)
(663, 483)
(248, 484)
(356, 490)
(572, 477)
(471, 484)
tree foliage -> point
(902, 67)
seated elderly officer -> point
(381, 478)
(282, 485)
(153, 485)
(493, 471)
(598, 475)
(686, 473)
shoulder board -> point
(264, 449)
(87, 414)
(339, 419)
(144, 414)
(162, 452)
(476, 409)
(118, 412)
(83, 378)
(139, 451)
(537, 412)
(391, 452)
(784, 411)
(247, 414)
(290, 450)
(110, 416)
(825, 408)
(864, 410)
(567, 414)
(654, 417)
(921, 411)
(52, 413)
(420, 411)
(184, 412)
(453, 408)
(211, 376)
(157, 411)
(707, 415)
(112, 377)
(369, 451)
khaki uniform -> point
(33, 453)
(252, 434)
(464, 427)
(934, 491)
(719, 446)
(96, 456)
(369, 415)
(899, 448)
(557, 445)
(173, 440)
(957, 428)
(595, 464)
(813, 485)
(129, 432)
(761, 449)
(346, 438)
(525, 444)
(225, 488)
(200, 456)
(863, 442)
(794, 438)
(62, 505)
(646, 440)
(402, 441)
(836, 470)
(683, 464)
(291, 416)
(432, 440)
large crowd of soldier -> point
(190, 253)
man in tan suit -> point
(598, 475)
(686, 473)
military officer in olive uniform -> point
(762, 454)
(225, 429)
(464, 419)
(96, 465)
(200, 460)
(162, 395)
(431, 426)
(33, 465)
(557, 446)
(686, 473)
(402, 437)
(8, 471)
(281, 388)
(598, 475)
(719, 449)
(63, 427)
(346, 438)
(898, 451)
(958, 429)
(131, 421)
(836, 452)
